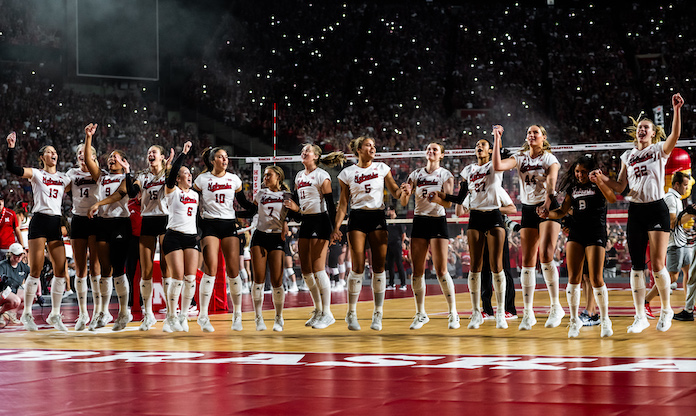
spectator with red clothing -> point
(9, 228)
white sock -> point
(173, 294)
(146, 293)
(638, 289)
(30, 287)
(106, 286)
(188, 293)
(354, 288)
(122, 289)
(235, 284)
(550, 272)
(474, 281)
(573, 295)
(205, 293)
(96, 294)
(418, 287)
(379, 286)
(601, 296)
(528, 282)
(278, 300)
(663, 281)
(314, 291)
(500, 286)
(447, 286)
(81, 292)
(57, 290)
(324, 285)
(257, 297)
(166, 282)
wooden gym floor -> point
(336, 371)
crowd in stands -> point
(406, 74)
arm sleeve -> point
(295, 216)
(11, 167)
(131, 187)
(245, 203)
(174, 171)
(459, 198)
(330, 206)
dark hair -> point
(679, 177)
(208, 155)
(568, 180)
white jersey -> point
(152, 201)
(532, 172)
(484, 186)
(84, 191)
(183, 208)
(425, 184)
(217, 195)
(675, 206)
(108, 185)
(646, 173)
(271, 210)
(48, 190)
(308, 187)
(502, 197)
(366, 185)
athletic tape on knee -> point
(309, 280)
(528, 276)
(379, 282)
(189, 285)
(637, 279)
(354, 283)
(418, 284)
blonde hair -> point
(330, 160)
(659, 131)
(82, 146)
(546, 147)
(357, 143)
(281, 176)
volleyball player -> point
(83, 234)
(430, 231)
(362, 186)
(180, 243)
(486, 227)
(643, 171)
(149, 183)
(113, 232)
(316, 204)
(267, 243)
(587, 196)
(537, 169)
(48, 186)
(218, 225)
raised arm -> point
(677, 103)
(176, 166)
(500, 164)
(92, 165)
(11, 167)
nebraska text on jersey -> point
(212, 187)
(187, 200)
(363, 177)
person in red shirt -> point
(9, 228)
